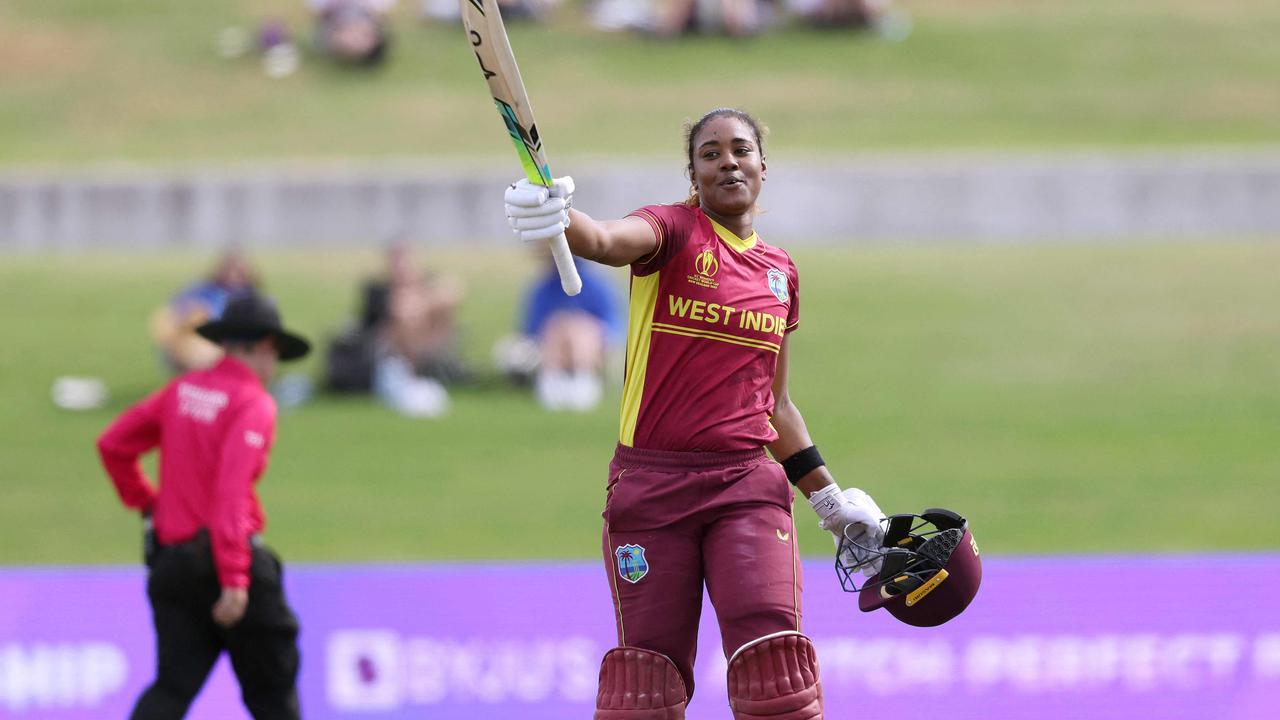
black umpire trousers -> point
(183, 586)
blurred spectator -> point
(450, 11)
(737, 18)
(404, 346)
(564, 340)
(637, 15)
(273, 43)
(672, 18)
(353, 32)
(417, 314)
(273, 33)
(741, 18)
(173, 325)
(878, 15)
(280, 57)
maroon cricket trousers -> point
(674, 521)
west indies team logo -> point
(631, 563)
(778, 284)
(706, 266)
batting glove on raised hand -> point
(536, 212)
(854, 515)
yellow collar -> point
(731, 239)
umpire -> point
(212, 584)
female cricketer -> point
(693, 499)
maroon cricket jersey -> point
(709, 311)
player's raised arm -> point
(537, 213)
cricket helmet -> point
(929, 569)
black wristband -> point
(802, 463)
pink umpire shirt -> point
(214, 429)
(709, 311)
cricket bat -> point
(488, 37)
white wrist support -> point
(825, 501)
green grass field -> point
(1069, 398)
(140, 81)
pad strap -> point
(802, 463)
(638, 684)
(775, 678)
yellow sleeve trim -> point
(644, 298)
(657, 232)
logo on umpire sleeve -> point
(632, 565)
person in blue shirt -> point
(571, 336)
(173, 325)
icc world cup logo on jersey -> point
(706, 266)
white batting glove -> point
(853, 514)
(538, 213)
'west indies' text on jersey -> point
(709, 311)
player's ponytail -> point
(693, 200)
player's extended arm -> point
(536, 213)
(611, 242)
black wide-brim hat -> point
(251, 317)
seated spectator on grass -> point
(564, 340)
(634, 15)
(416, 314)
(404, 346)
(737, 18)
(512, 10)
(173, 326)
(352, 32)
(878, 15)
(673, 18)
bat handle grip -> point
(569, 280)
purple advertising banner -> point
(1093, 637)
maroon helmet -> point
(930, 569)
